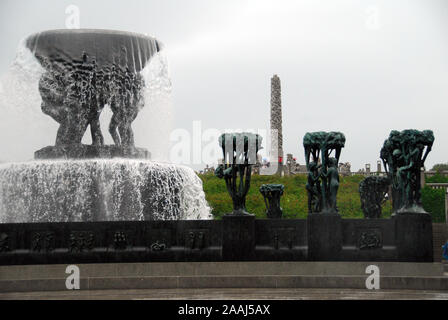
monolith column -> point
(276, 123)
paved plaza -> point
(231, 294)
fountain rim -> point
(96, 31)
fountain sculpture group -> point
(85, 70)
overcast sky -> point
(360, 67)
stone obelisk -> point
(276, 123)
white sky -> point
(360, 67)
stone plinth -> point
(413, 232)
(324, 236)
(238, 234)
(82, 151)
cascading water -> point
(114, 85)
(99, 190)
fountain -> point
(85, 71)
(99, 202)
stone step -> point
(201, 282)
(23, 272)
(351, 275)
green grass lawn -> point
(294, 199)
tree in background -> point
(440, 167)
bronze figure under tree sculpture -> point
(271, 195)
(403, 155)
(372, 191)
(323, 179)
(239, 153)
(313, 188)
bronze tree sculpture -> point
(403, 155)
(271, 195)
(239, 153)
(373, 190)
(323, 179)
